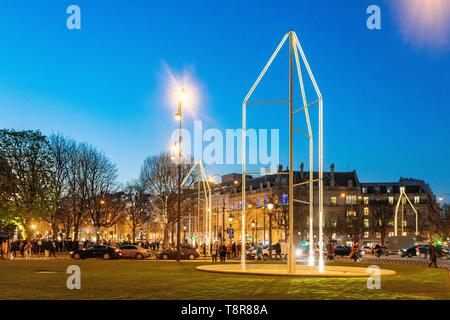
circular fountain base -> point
(301, 270)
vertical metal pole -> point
(179, 188)
(321, 213)
(244, 160)
(198, 205)
(291, 254)
(403, 214)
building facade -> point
(353, 210)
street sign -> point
(231, 233)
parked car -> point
(96, 251)
(187, 253)
(134, 252)
(342, 251)
(346, 250)
(251, 252)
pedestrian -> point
(258, 252)
(14, 249)
(432, 251)
(355, 252)
(5, 250)
(214, 252)
(223, 253)
(53, 249)
(330, 250)
(233, 249)
(378, 251)
(278, 251)
(28, 249)
(22, 248)
(229, 249)
(204, 249)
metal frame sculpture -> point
(294, 49)
(400, 201)
(203, 178)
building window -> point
(366, 234)
(364, 190)
(389, 189)
(366, 223)
(391, 200)
(366, 211)
(350, 199)
(378, 235)
(366, 200)
(351, 213)
(416, 200)
(391, 234)
(333, 201)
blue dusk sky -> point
(386, 92)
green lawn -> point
(169, 280)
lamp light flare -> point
(426, 23)
(183, 89)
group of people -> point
(48, 248)
(27, 248)
(223, 251)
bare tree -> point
(138, 207)
(382, 213)
(159, 178)
(97, 179)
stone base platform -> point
(301, 270)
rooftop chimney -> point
(302, 167)
(332, 181)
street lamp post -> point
(270, 207)
(179, 116)
(253, 231)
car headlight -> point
(298, 252)
(71, 252)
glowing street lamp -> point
(178, 116)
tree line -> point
(69, 184)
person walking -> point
(14, 248)
(258, 252)
(233, 249)
(229, 251)
(223, 253)
(355, 252)
(278, 252)
(28, 249)
(214, 252)
(5, 250)
(432, 251)
(330, 250)
(53, 249)
(204, 249)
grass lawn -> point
(100, 279)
